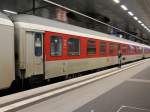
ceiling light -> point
(124, 7)
(116, 1)
(142, 24)
(135, 18)
(8, 11)
(130, 13)
(139, 21)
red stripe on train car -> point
(83, 48)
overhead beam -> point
(66, 8)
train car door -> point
(34, 54)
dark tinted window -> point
(102, 48)
(111, 48)
(137, 49)
(124, 49)
(38, 44)
(56, 46)
(91, 47)
(73, 46)
(131, 49)
(141, 49)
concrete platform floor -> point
(128, 91)
(131, 96)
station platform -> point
(125, 91)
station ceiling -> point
(99, 8)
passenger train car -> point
(46, 49)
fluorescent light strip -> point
(130, 13)
(139, 21)
(12, 12)
(124, 7)
(135, 18)
(142, 24)
(117, 1)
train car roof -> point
(4, 20)
(39, 23)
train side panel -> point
(146, 52)
(29, 43)
(7, 64)
(64, 64)
(65, 67)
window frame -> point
(41, 42)
(79, 46)
(124, 48)
(110, 45)
(132, 49)
(103, 43)
(58, 36)
(88, 48)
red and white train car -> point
(51, 49)
(46, 49)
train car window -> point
(134, 51)
(137, 49)
(102, 48)
(111, 48)
(56, 46)
(91, 47)
(38, 44)
(119, 47)
(124, 49)
(141, 49)
(146, 50)
(131, 49)
(73, 47)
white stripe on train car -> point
(6, 22)
(59, 30)
(45, 95)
